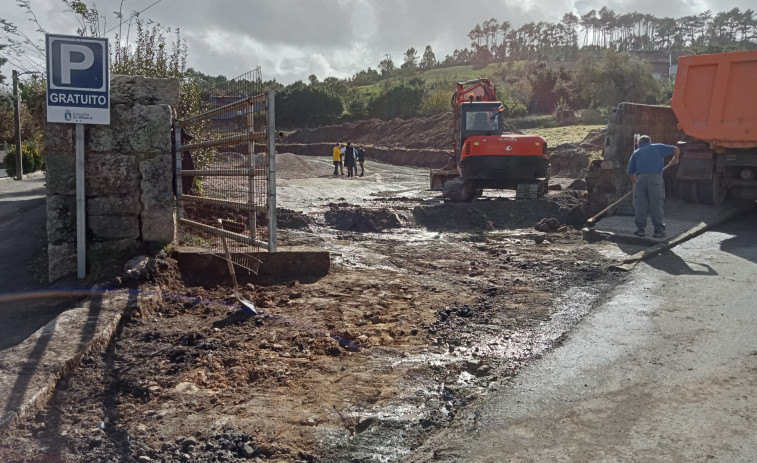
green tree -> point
(429, 59)
(411, 61)
(386, 66)
(301, 105)
(2, 62)
(402, 100)
(614, 78)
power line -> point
(133, 15)
(18, 64)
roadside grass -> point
(566, 134)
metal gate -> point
(226, 173)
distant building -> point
(664, 63)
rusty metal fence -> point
(226, 172)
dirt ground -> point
(428, 306)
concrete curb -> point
(38, 173)
(630, 262)
(30, 371)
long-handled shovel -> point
(590, 222)
(246, 305)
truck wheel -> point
(713, 192)
(687, 190)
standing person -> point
(349, 159)
(341, 158)
(336, 156)
(645, 171)
(361, 160)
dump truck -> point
(715, 102)
(485, 156)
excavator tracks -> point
(460, 190)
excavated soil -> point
(428, 306)
(434, 132)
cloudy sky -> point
(292, 39)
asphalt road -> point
(664, 371)
(22, 238)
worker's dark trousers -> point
(648, 197)
(336, 167)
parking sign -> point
(78, 82)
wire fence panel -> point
(224, 175)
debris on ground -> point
(568, 160)
(348, 217)
(548, 225)
(427, 307)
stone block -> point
(108, 174)
(60, 137)
(61, 260)
(114, 205)
(113, 227)
(110, 248)
(157, 199)
(61, 172)
(61, 219)
(130, 90)
(158, 228)
(157, 183)
(133, 129)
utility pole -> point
(17, 119)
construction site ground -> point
(427, 308)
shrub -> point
(32, 160)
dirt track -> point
(428, 306)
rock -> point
(138, 269)
(247, 451)
(186, 388)
(578, 185)
(547, 225)
(485, 370)
(143, 458)
(472, 365)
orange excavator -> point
(487, 157)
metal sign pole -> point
(17, 123)
(271, 172)
(78, 92)
(81, 205)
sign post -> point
(78, 92)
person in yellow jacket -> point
(336, 156)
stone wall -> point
(128, 176)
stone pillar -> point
(128, 173)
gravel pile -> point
(290, 166)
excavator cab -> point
(481, 119)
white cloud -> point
(291, 39)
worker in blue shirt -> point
(645, 171)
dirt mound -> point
(289, 166)
(292, 220)
(566, 206)
(568, 159)
(346, 217)
(594, 140)
(434, 132)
